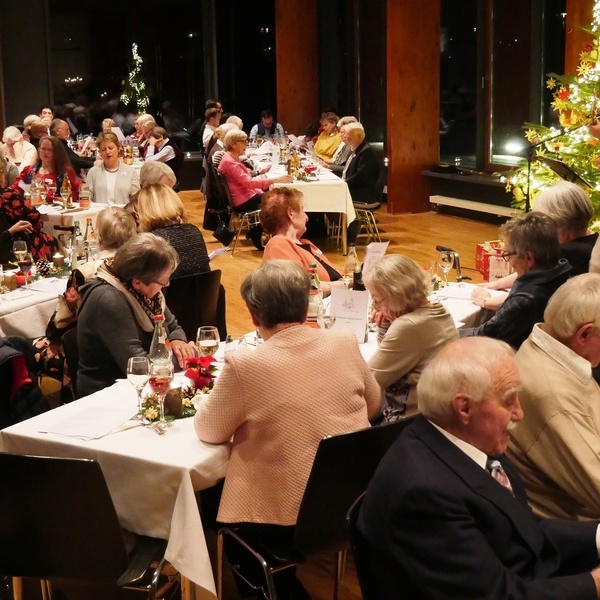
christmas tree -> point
(134, 89)
(576, 99)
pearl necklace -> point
(111, 170)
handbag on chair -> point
(223, 233)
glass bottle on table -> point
(316, 307)
(79, 256)
(160, 347)
(351, 262)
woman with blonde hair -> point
(161, 212)
(112, 182)
(411, 329)
(329, 139)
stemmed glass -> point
(445, 262)
(161, 376)
(25, 264)
(138, 373)
(67, 243)
(19, 249)
(235, 342)
(326, 321)
(207, 340)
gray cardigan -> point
(108, 334)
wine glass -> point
(43, 192)
(25, 263)
(67, 244)
(138, 373)
(234, 343)
(326, 321)
(161, 376)
(207, 340)
(19, 249)
(445, 262)
(65, 192)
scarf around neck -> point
(144, 308)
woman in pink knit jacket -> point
(278, 401)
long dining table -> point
(152, 478)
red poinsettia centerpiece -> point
(201, 371)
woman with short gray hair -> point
(411, 330)
(116, 315)
(278, 401)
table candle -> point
(59, 260)
(10, 281)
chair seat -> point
(366, 206)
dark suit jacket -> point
(434, 525)
(78, 162)
(362, 174)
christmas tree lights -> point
(134, 89)
(576, 100)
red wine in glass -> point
(25, 264)
(160, 383)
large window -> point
(495, 57)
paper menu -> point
(373, 252)
(350, 309)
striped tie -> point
(498, 473)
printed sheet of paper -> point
(350, 310)
(373, 252)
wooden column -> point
(579, 14)
(296, 55)
(413, 95)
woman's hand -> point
(283, 179)
(182, 351)
(21, 226)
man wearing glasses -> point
(531, 247)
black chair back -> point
(366, 580)
(197, 300)
(342, 469)
(224, 189)
(59, 521)
(71, 348)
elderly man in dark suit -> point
(446, 515)
(61, 130)
(361, 172)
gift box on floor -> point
(489, 262)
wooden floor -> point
(413, 234)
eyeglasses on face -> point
(507, 255)
(163, 285)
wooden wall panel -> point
(579, 13)
(297, 63)
(413, 92)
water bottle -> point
(160, 347)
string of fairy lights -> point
(134, 91)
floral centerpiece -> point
(201, 371)
(181, 403)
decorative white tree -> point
(576, 102)
(134, 89)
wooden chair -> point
(343, 466)
(60, 523)
(198, 300)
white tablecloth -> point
(26, 312)
(151, 478)
(53, 216)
